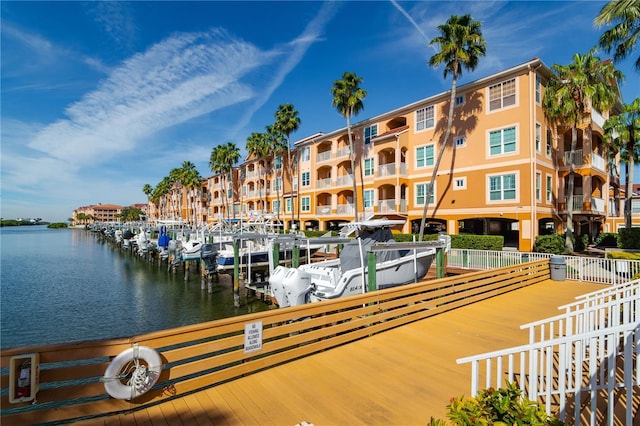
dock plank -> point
(400, 377)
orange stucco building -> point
(503, 171)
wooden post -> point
(295, 257)
(371, 268)
(276, 254)
(236, 273)
(440, 266)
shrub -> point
(553, 244)
(463, 241)
(57, 225)
(580, 242)
(629, 238)
(504, 406)
(622, 255)
(607, 239)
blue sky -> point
(100, 98)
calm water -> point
(63, 285)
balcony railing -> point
(324, 156)
(577, 204)
(323, 183)
(345, 209)
(323, 210)
(387, 170)
(596, 160)
(343, 152)
(345, 180)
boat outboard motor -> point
(294, 288)
(208, 255)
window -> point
(425, 118)
(460, 141)
(287, 205)
(502, 141)
(424, 156)
(370, 133)
(368, 198)
(549, 143)
(275, 206)
(305, 204)
(295, 182)
(502, 95)
(460, 183)
(549, 189)
(278, 162)
(306, 178)
(421, 193)
(368, 166)
(502, 187)
(277, 184)
(538, 137)
(459, 100)
(538, 186)
(306, 153)
(244, 190)
(538, 93)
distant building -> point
(102, 213)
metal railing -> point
(578, 268)
(562, 370)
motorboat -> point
(348, 274)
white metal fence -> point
(564, 371)
(578, 268)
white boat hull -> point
(324, 280)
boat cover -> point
(350, 254)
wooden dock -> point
(402, 376)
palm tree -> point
(585, 83)
(287, 122)
(258, 146)
(147, 190)
(624, 132)
(347, 99)
(158, 196)
(277, 147)
(222, 160)
(176, 187)
(461, 46)
(622, 37)
(190, 179)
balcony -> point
(324, 156)
(344, 209)
(343, 152)
(345, 180)
(389, 206)
(595, 160)
(323, 210)
(577, 204)
(323, 183)
(391, 170)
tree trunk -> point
(353, 168)
(290, 167)
(443, 146)
(568, 243)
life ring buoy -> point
(132, 373)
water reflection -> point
(65, 285)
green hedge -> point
(553, 244)
(629, 238)
(464, 241)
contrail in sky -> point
(417, 27)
